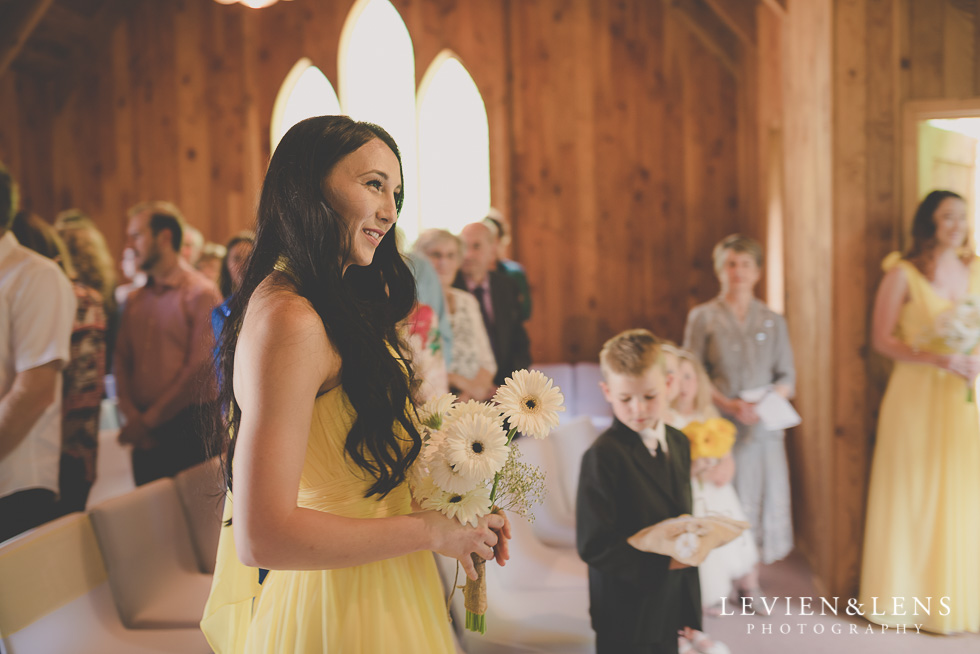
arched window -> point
(454, 146)
(377, 84)
(305, 92)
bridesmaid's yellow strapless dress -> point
(922, 533)
(395, 605)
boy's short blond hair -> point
(631, 353)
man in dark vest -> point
(499, 300)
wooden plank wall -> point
(866, 205)
(614, 133)
(621, 193)
(808, 238)
(883, 53)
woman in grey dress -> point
(744, 345)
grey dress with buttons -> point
(739, 357)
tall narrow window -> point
(454, 146)
(377, 84)
(305, 92)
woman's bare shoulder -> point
(280, 320)
(276, 300)
(895, 276)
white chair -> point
(153, 571)
(569, 442)
(554, 518)
(55, 597)
(203, 501)
(588, 396)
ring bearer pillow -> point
(686, 538)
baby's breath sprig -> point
(522, 485)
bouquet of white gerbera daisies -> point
(469, 466)
(959, 330)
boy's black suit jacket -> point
(622, 489)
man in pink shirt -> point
(163, 367)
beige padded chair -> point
(153, 571)
(200, 494)
(55, 597)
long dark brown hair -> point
(923, 249)
(359, 309)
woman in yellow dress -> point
(322, 428)
(922, 535)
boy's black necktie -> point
(660, 461)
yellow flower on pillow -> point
(711, 439)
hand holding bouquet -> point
(469, 466)
(958, 329)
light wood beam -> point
(18, 20)
(738, 15)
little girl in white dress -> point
(734, 564)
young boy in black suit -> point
(637, 473)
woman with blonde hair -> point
(94, 266)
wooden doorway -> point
(939, 157)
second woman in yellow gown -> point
(316, 397)
(922, 536)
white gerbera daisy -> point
(433, 412)
(477, 446)
(433, 444)
(447, 476)
(423, 486)
(530, 402)
(472, 407)
(465, 507)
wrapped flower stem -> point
(475, 592)
(475, 597)
(466, 448)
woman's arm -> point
(893, 293)
(284, 359)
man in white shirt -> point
(37, 307)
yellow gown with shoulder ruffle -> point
(922, 533)
(394, 605)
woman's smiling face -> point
(362, 188)
(951, 223)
